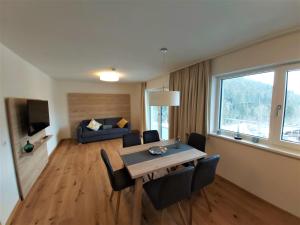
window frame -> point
(278, 98)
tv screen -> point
(38, 116)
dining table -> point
(139, 163)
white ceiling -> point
(72, 39)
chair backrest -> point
(197, 141)
(174, 187)
(150, 136)
(108, 166)
(131, 139)
(205, 171)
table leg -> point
(137, 208)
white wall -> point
(18, 78)
(279, 50)
(65, 87)
(272, 177)
(159, 82)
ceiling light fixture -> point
(164, 97)
(109, 75)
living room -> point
(55, 52)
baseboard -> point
(13, 213)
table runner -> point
(142, 156)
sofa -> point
(86, 135)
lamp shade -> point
(164, 98)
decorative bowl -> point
(157, 150)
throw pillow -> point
(106, 127)
(94, 125)
(122, 123)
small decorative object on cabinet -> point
(28, 147)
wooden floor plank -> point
(74, 190)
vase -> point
(28, 147)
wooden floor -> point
(74, 190)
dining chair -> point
(119, 180)
(197, 141)
(204, 174)
(150, 136)
(131, 139)
(170, 189)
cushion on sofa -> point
(112, 121)
(122, 123)
(94, 125)
(90, 133)
(84, 123)
(106, 126)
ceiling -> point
(70, 39)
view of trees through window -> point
(159, 120)
(246, 104)
(291, 125)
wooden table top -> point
(146, 167)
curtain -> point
(192, 114)
(143, 110)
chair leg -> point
(111, 195)
(190, 211)
(150, 177)
(117, 207)
(206, 199)
(161, 217)
(181, 213)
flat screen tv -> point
(37, 116)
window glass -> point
(246, 104)
(159, 120)
(291, 120)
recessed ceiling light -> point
(109, 75)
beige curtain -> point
(143, 110)
(191, 115)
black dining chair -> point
(204, 174)
(170, 189)
(119, 180)
(197, 141)
(131, 139)
(150, 136)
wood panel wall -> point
(28, 166)
(88, 106)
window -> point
(157, 117)
(264, 104)
(291, 122)
(246, 104)
(159, 120)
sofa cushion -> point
(122, 123)
(112, 121)
(89, 133)
(114, 131)
(84, 123)
(106, 127)
(94, 125)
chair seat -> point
(170, 189)
(122, 179)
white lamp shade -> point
(164, 98)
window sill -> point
(271, 148)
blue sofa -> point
(86, 135)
